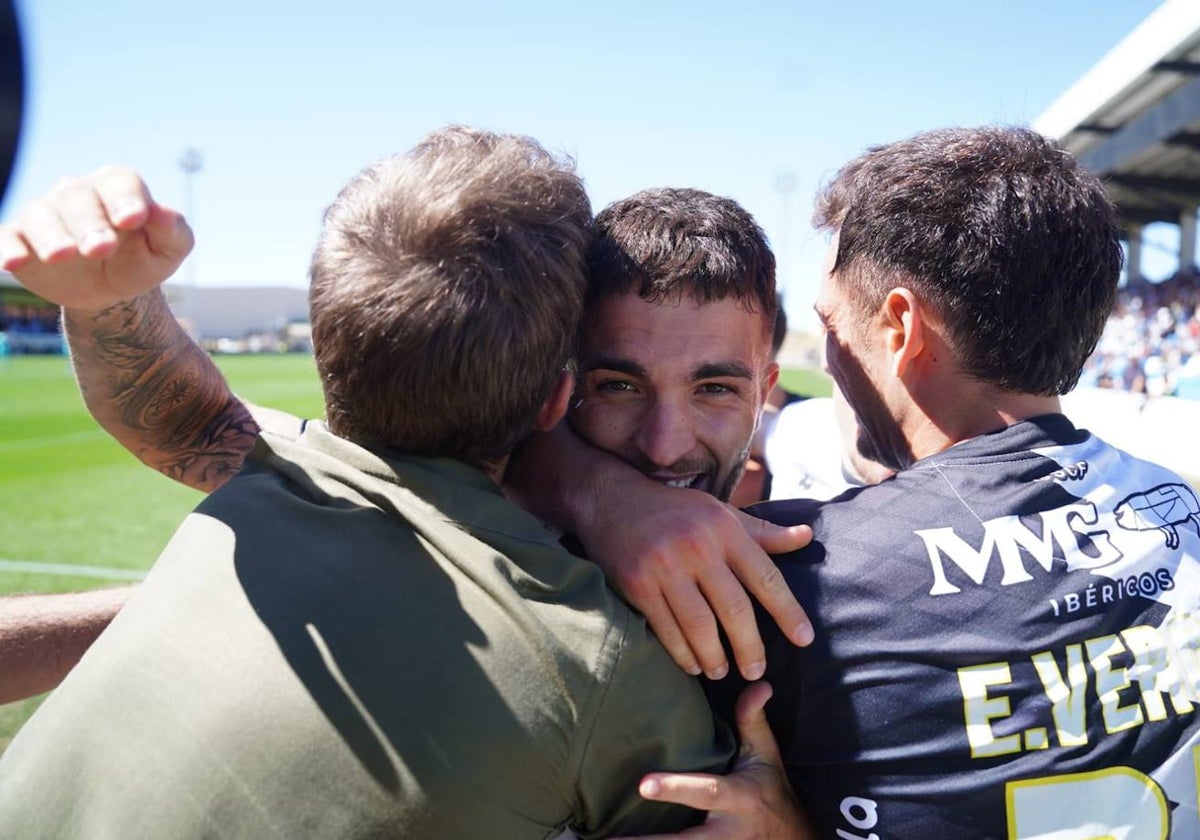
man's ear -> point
(555, 406)
(771, 377)
(905, 328)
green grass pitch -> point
(76, 510)
(71, 497)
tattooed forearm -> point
(216, 452)
(158, 393)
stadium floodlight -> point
(191, 162)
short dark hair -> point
(665, 244)
(780, 330)
(1014, 244)
(447, 286)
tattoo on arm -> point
(159, 393)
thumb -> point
(775, 539)
(168, 235)
(758, 742)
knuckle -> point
(688, 545)
(699, 619)
(695, 543)
(737, 607)
(657, 562)
(35, 214)
(771, 579)
(66, 186)
(637, 586)
(111, 172)
(710, 792)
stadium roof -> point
(1135, 117)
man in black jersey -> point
(1008, 630)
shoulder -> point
(272, 421)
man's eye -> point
(717, 388)
(614, 386)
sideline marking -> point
(106, 572)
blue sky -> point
(287, 100)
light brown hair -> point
(446, 288)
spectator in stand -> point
(1150, 338)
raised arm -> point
(688, 562)
(100, 247)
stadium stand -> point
(1151, 344)
(223, 319)
(1135, 118)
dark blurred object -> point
(12, 90)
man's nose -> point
(665, 434)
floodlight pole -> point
(191, 162)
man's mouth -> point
(699, 481)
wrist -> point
(119, 307)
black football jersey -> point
(1008, 645)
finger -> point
(45, 233)
(14, 253)
(125, 197)
(662, 621)
(775, 539)
(763, 580)
(698, 624)
(754, 732)
(697, 832)
(84, 218)
(703, 791)
(735, 611)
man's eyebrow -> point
(613, 363)
(719, 370)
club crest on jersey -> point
(1166, 508)
(1077, 534)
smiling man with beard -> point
(675, 349)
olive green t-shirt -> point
(351, 643)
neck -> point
(495, 469)
(969, 412)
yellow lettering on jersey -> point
(1096, 805)
(1109, 682)
(979, 709)
(1067, 696)
(1156, 671)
